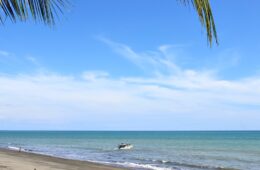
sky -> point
(132, 65)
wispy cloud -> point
(104, 102)
(152, 61)
(94, 75)
(13, 63)
(171, 98)
(4, 53)
(33, 60)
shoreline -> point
(15, 160)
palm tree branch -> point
(206, 18)
(42, 10)
(47, 10)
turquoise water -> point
(196, 150)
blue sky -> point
(132, 65)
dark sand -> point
(14, 160)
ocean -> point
(166, 150)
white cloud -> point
(66, 100)
(10, 61)
(172, 98)
(93, 75)
(33, 60)
(4, 53)
(151, 61)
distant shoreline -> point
(15, 160)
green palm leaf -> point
(205, 16)
(39, 10)
(47, 10)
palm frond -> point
(205, 16)
(39, 10)
(47, 10)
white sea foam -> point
(163, 161)
(132, 165)
(144, 166)
(16, 148)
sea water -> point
(176, 150)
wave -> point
(151, 164)
(181, 165)
(15, 148)
(142, 166)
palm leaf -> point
(205, 16)
(47, 10)
(39, 10)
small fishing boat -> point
(125, 146)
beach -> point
(14, 160)
(152, 150)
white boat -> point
(125, 146)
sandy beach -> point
(14, 160)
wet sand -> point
(14, 160)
